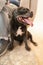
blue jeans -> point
(16, 2)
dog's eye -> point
(23, 11)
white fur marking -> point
(19, 32)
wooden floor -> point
(19, 56)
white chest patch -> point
(19, 32)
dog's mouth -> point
(25, 20)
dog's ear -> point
(31, 14)
(14, 13)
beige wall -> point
(34, 6)
(25, 3)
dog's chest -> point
(19, 31)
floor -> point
(19, 56)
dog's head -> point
(23, 15)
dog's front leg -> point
(11, 46)
(25, 40)
(31, 39)
(26, 45)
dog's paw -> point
(28, 48)
(35, 43)
(10, 47)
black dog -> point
(18, 26)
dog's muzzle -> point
(24, 19)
